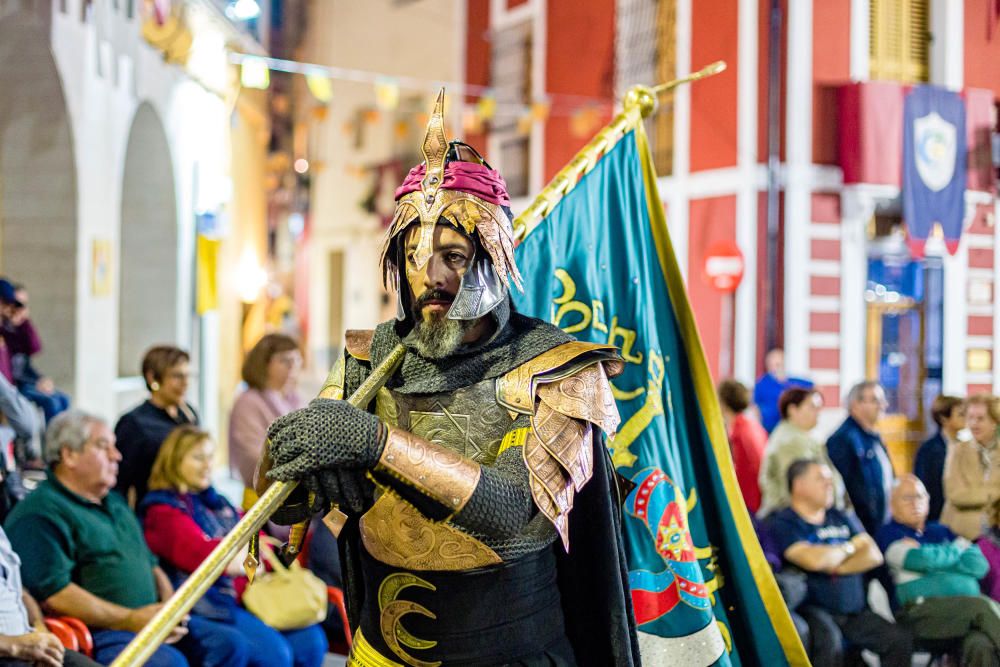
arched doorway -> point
(147, 312)
(38, 188)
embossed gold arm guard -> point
(151, 636)
(640, 102)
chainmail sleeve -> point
(501, 505)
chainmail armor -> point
(501, 505)
(523, 339)
(538, 534)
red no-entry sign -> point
(724, 266)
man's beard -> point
(434, 335)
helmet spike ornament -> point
(468, 195)
(435, 150)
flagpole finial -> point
(641, 98)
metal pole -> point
(769, 277)
(639, 101)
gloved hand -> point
(349, 490)
(327, 435)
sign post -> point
(724, 267)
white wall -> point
(106, 71)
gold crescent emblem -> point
(392, 611)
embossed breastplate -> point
(472, 423)
(468, 420)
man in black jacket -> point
(948, 413)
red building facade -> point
(846, 300)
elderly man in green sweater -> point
(937, 578)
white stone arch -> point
(148, 249)
(38, 185)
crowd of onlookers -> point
(834, 519)
(27, 397)
(121, 516)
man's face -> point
(815, 487)
(8, 310)
(910, 502)
(434, 286)
(871, 405)
(774, 363)
(95, 467)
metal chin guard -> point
(479, 292)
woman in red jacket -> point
(184, 519)
(747, 440)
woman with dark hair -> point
(747, 439)
(790, 441)
(140, 432)
(184, 519)
(271, 371)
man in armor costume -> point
(480, 519)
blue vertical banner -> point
(934, 165)
(602, 268)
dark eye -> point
(456, 258)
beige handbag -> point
(286, 598)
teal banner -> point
(600, 267)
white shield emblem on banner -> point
(934, 149)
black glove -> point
(329, 434)
(349, 490)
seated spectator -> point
(185, 519)
(271, 371)
(792, 440)
(83, 554)
(747, 439)
(937, 578)
(22, 344)
(18, 422)
(972, 471)
(989, 544)
(834, 551)
(141, 431)
(24, 639)
(948, 413)
(771, 385)
(792, 585)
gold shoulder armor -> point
(574, 395)
(571, 378)
(359, 343)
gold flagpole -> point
(640, 102)
(151, 636)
